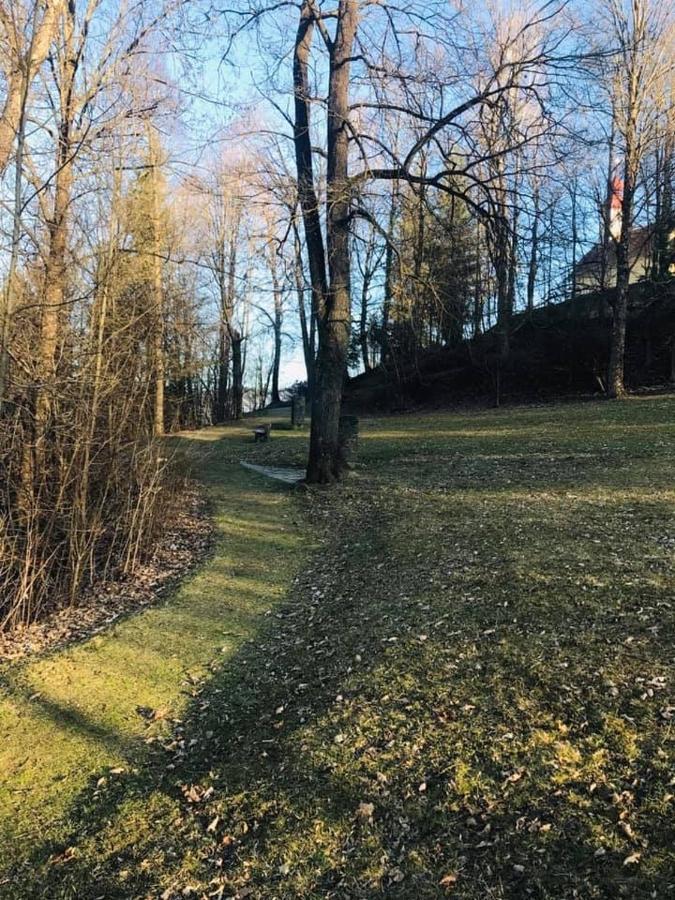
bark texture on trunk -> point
(606, 234)
(502, 278)
(226, 268)
(636, 43)
(368, 269)
(157, 291)
(223, 370)
(309, 202)
(575, 240)
(389, 273)
(307, 328)
(7, 310)
(615, 375)
(324, 463)
(55, 272)
(331, 300)
(278, 326)
(22, 68)
(237, 375)
(363, 328)
(534, 254)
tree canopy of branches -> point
(481, 105)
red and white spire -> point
(615, 207)
(615, 198)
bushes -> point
(83, 489)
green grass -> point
(465, 687)
(68, 718)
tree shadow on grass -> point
(375, 738)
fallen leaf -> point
(448, 882)
(365, 811)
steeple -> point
(615, 202)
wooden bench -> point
(262, 432)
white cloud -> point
(293, 368)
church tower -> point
(615, 201)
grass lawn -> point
(450, 676)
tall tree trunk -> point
(223, 369)
(513, 244)
(23, 68)
(478, 288)
(157, 289)
(658, 197)
(667, 207)
(389, 272)
(226, 261)
(276, 361)
(416, 311)
(309, 201)
(237, 375)
(606, 234)
(265, 386)
(503, 265)
(363, 326)
(534, 254)
(549, 267)
(575, 240)
(307, 330)
(309, 206)
(663, 217)
(615, 376)
(55, 271)
(324, 464)
(6, 312)
(502, 269)
(363, 318)
(332, 305)
(235, 338)
(278, 326)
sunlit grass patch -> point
(69, 718)
(466, 690)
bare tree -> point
(26, 33)
(81, 472)
(329, 260)
(643, 31)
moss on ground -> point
(465, 689)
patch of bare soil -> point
(183, 543)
